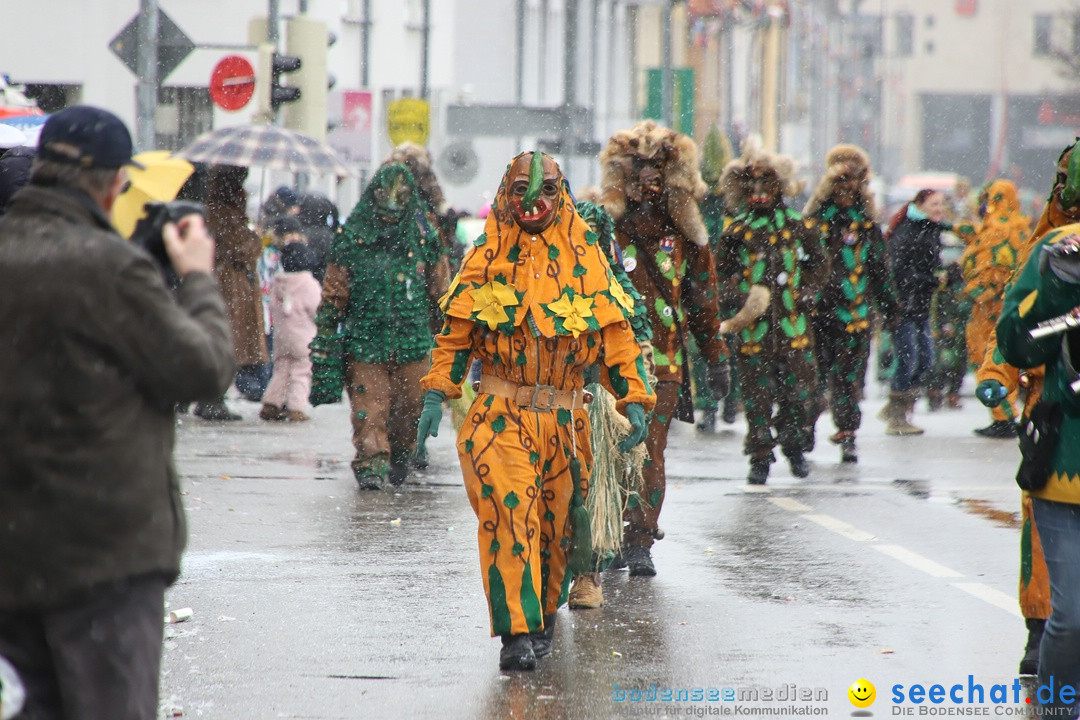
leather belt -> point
(538, 398)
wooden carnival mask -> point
(533, 191)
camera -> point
(147, 234)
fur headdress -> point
(836, 162)
(682, 177)
(733, 182)
(418, 160)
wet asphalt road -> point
(310, 601)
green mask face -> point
(392, 199)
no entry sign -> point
(232, 83)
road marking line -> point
(917, 561)
(839, 526)
(757, 489)
(988, 594)
(791, 504)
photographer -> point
(95, 355)
(1048, 287)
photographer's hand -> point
(189, 245)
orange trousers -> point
(516, 467)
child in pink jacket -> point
(293, 301)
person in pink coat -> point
(293, 301)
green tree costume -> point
(385, 272)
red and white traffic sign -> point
(232, 83)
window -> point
(1043, 25)
(905, 35)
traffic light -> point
(270, 94)
(309, 40)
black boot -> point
(398, 473)
(731, 409)
(216, 411)
(1029, 665)
(799, 467)
(517, 653)
(999, 430)
(541, 640)
(848, 453)
(707, 423)
(639, 560)
(759, 471)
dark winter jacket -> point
(914, 257)
(14, 172)
(94, 355)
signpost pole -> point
(147, 89)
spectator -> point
(914, 241)
(14, 172)
(319, 219)
(238, 249)
(91, 521)
(294, 300)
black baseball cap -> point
(99, 139)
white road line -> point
(917, 561)
(1008, 603)
(791, 504)
(839, 526)
(761, 489)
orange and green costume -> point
(988, 263)
(536, 310)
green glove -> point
(990, 393)
(635, 413)
(430, 417)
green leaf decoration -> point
(563, 416)
(849, 257)
(760, 330)
(494, 548)
(517, 549)
(511, 500)
(480, 240)
(469, 445)
(521, 359)
(553, 252)
(744, 334)
(789, 301)
(486, 490)
(514, 253)
(787, 327)
(757, 272)
(861, 287)
(800, 325)
(862, 310)
(579, 270)
(744, 255)
(500, 611)
(780, 218)
(789, 260)
(849, 290)
(591, 237)
(844, 314)
(744, 287)
(830, 213)
(498, 424)
(759, 223)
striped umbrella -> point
(266, 146)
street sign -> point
(349, 113)
(407, 120)
(173, 45)
(232, 83)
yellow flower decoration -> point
(490, 301)
(617, 292)
(444, 301)
(573, 311)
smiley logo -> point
(862, 693)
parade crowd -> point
(564, 340)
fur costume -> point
(682, 177)
(651, 185)
(767, 243)
(842, 210)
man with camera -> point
(95, 354)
